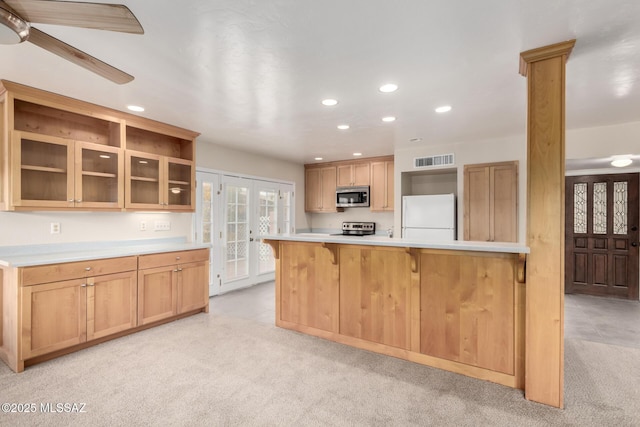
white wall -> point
(29, 228)
(603, 141)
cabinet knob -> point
(70, 200)
(177, 257)
(87, 269)
(180, 269)
(176, 270)
(84, 285)
(79, 201)
(91, 284)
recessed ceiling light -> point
(343, 127)
(329, 102)
(443, 109)
(621, 162)
(318, 158)
(357, 154)
(389, 87)
(135, 108)
(389, 119)
(415, 140)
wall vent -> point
(433, 161)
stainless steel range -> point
(351, 228)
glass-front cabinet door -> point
(99, 176)
(43, 171)
(143, 181)
(178, 191)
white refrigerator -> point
(430, 217)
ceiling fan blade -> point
(100, 16)
(77, 56)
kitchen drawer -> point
(172, 258)
(76, 270)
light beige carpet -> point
(215, 370)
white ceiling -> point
(251, 74)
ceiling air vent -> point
(433, 161)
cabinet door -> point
(491, 202)
(157, 294)
(143, 181)
(193, 286)
(53, 317)
(42, 171)
(328, 196)
(179, 187)
(312, 190)
(504, 188)
(111, 304)
(344, 175)
(99, 176)
(477, 203)
(361, 174)
(352, 174)
(381, 190)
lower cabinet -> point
(60, 306)
(172, 283)
(58, 315)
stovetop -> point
(352, 228)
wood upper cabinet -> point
(321, 181)
(57, 314)
(382, 182)
(320, 189)
(172, 283)
(160, 172)
(353, 174)
(62, 153)
(491, 202)
(52, 172)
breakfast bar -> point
(457, 306)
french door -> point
(231, 214)
(601, 235)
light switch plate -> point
(162, 225)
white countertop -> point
(380, 240)
(30, 255)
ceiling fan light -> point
(13, 29)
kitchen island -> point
(457, 306)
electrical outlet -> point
(55, 228)
(143, 225)
(162, 226)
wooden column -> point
(544, 370)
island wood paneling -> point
(467, 309)
(308, 286)
(545, 71)
(375, 294)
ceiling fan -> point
(16, 17)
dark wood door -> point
(601, 234)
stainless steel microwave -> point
(351, 197)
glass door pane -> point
(208, 225)
(179, 189)
(45, 172)
(99, 176)
(267, 224)
(237, 230)
(145, 180)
